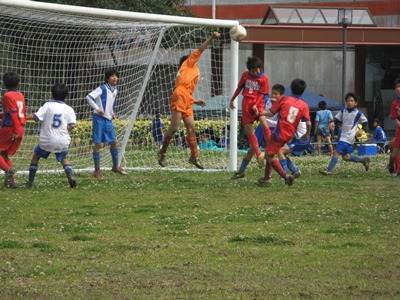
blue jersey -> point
(379, 135)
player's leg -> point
(173, 128)
(340, 149)
(243, 166)
(248, 129)
(116, 168)
(62, 157)
(191, 139)
(34, 165)
(265, 128)
(357, 159)
(319, 140)
(97, 138)
(9, 171)
(329, 141)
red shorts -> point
(274, 146)
(6, 140)
(248, 116)
(182, 101)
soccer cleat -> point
(366, 163)
(8, 178)
(325, 172)
(119, 170)
(390, 168)
(394, 174)
(263, 182)
(237, 175)
(161, 159)
(296, 174)
(72, 182)
(289, 179)
(196, 161)
(261, 160)
(29, 185)
(97, 174)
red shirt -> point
(395, 109)
(14, 111)
(254, 88)
(291, 111)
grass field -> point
(200, 235)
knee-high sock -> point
(191, 138)
(291, 166)
(254, 143)
(32, 172)
(284, 164)
(96, 160)
(165, 144)
(114, 156)
(243, 165)
(356, 159)
(68, 170)
(332, 163)
(278, 168)
(267, 134)
(268, 171)
(398, 163)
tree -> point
(165, 7)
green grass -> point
(200, 235)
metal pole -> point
(344, 62)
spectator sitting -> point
(361, 137)
(379, 136)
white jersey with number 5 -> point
(55, 117)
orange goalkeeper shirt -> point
(186, 81)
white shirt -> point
(104, 98)
(271, 121)
(55, 117)
(350, 120)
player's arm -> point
(237, 92)
(71, 127)
(30, 117)
(215, 35)
(91, 100)
(200, 102)
(308, 128)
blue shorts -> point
(45, 154)
(298, 146)
(102, 130)
(344, 148)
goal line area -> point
(51, 43)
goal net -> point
(50, 43)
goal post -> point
(48, 43)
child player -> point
(276, 91)
(395, 115)
(102, 100)
(350, 117)
(12, 128)
(182, 103)
(57, 121)
(291, 110)
(254, 85)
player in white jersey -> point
(57, 120)
(102, 100)
(350, 117)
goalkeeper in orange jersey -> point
(182, 103)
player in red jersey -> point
(12, 127)
(254, 85)
(291, 110)
(395, 115)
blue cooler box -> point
(367, 150)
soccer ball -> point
(238, 33)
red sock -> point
(278, 168)
(268, 171)
(267, 134)
(9, 163)
(254, 143)
(3, 164)
(192, 144)
(398, 163)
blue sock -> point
(243, 165)
(32, 172)
(284, 164)
(333, 163)
(291, 166)
(68, 170)
(356, 159)
(96, 159)
(114, 156)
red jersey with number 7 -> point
(291, 111)
(14, 111)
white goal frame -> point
(106, 13)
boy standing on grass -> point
(254, 85)
(57, 121)
(12, 127)
(102, 100)
(276, 91)
(350, 117)
(395, 115)
(182, 103)
(322, 120)
(291, 110)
